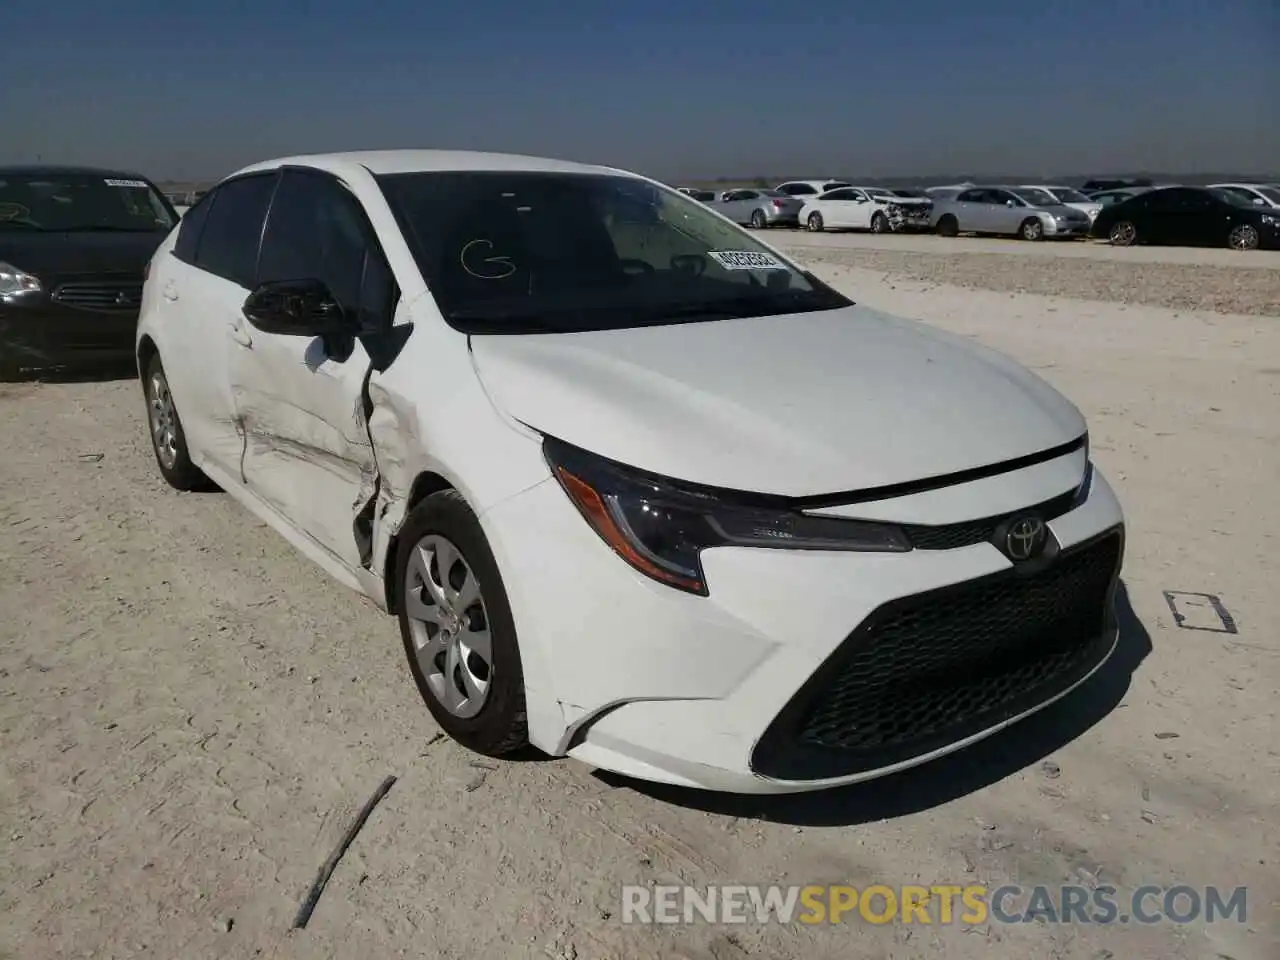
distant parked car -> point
(1068, 197)
(702, 196)
(74, 247)
(1189, 216)
(1009, 211)
(759, 207)
(865, 208)
(805, 189)
(1259, 194)
(1093, 186)
(1118, 195)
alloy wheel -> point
(1243, 237)
(164, 430)
(449, 626)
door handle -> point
(240, 335)
(170, 291)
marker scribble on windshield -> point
(500, 267)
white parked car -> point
(639, 488)
(1263, 195)
(805, 189)
(1069, 197)
(865, 208)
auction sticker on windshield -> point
(125, 183)
(745, 260)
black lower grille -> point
(926, 671)
(105, 295)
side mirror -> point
(297, 308)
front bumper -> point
(1072, 228)
(786, 678)
(39, 333)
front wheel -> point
(879, 223)
(457, 627)
(814, 222)
(1243, 237)
(757, 219)
(1031, 229)
(1123, 234)
(168, 439)
(948, 226)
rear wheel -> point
(168, 439)
(457, 627)
(757, 219)
(1123, 234)
(879, 223)
(1031, 229)
(1243, 237)
(948, 226)
(814, 222)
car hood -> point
(906, 201)
(58, 254)
(795, 405)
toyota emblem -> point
(1025, 538)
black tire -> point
(948, 226)
(758, 220)
(1244, 237)
(1123, 233)
(500, 728)
(180, 473)
(1031, 229)
(814, 222)
(879, 223)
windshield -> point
(1068, 195)
(73, 202)
(702, 195)
(519, 252)
(1035, 196)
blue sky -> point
(680, 90)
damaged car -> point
(640, 489)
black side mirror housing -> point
(298, 308)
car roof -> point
(387, 162)
(58, 170)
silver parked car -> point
(759, 207)
(1009, 211)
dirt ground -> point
(191, 714)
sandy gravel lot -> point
(1179, 278)
(190, 713)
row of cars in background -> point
(1243, 216)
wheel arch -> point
(145, 351)
(424, 485)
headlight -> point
(1270, 221)
(661, 526)
(13, 280)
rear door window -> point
(228, 245)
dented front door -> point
(307, 452)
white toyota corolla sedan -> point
(640, 489)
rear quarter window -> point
(189, 229)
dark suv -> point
(74, 247)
